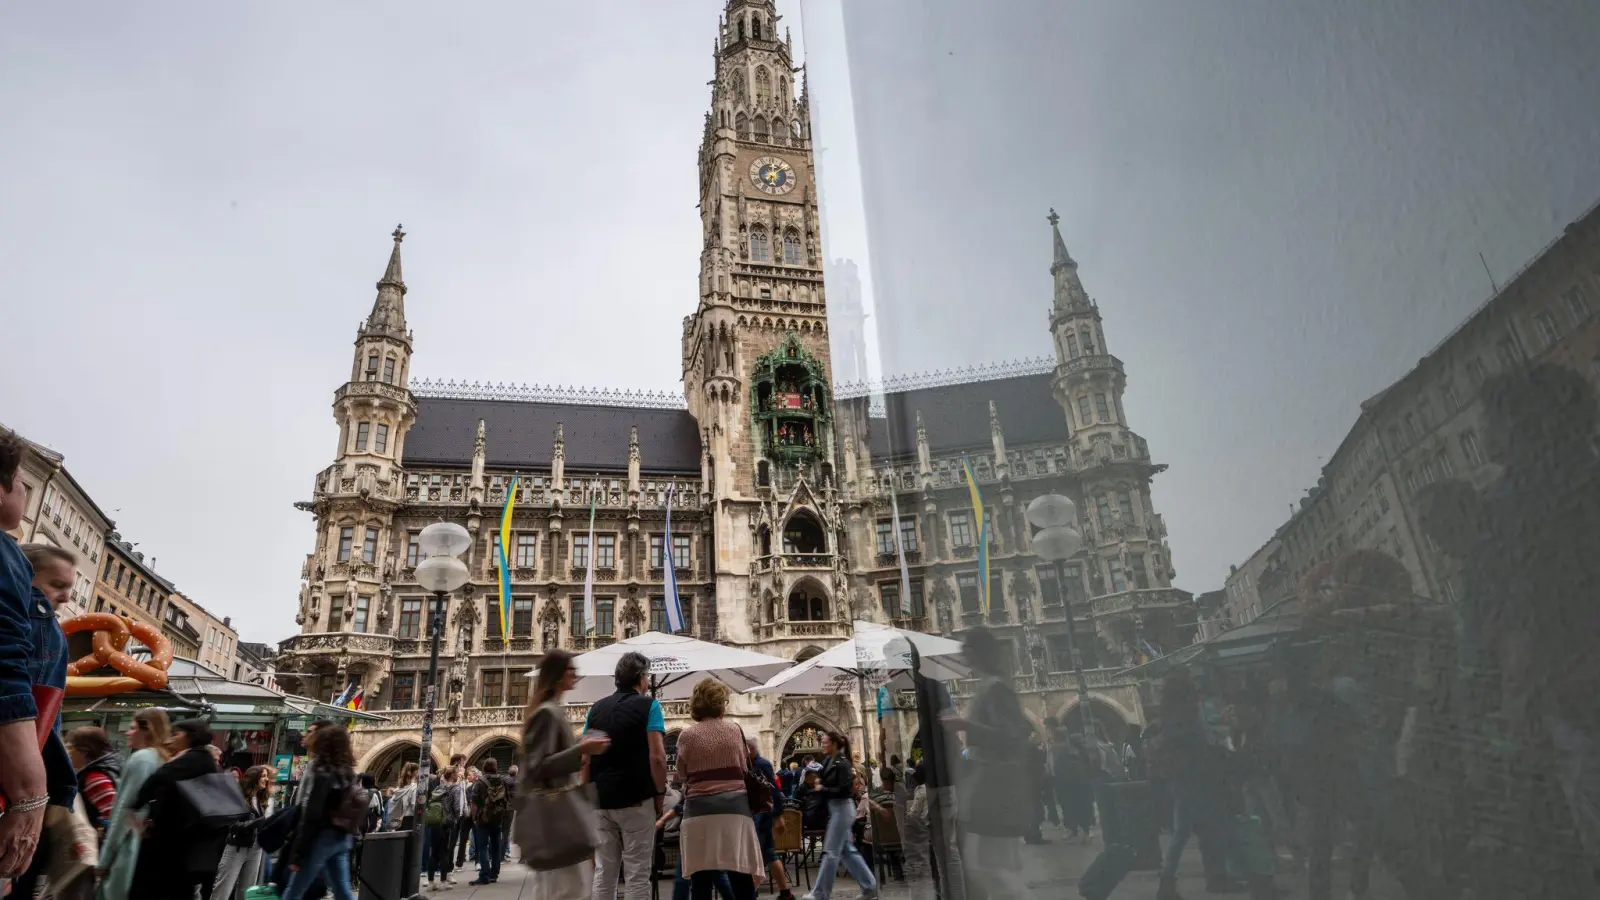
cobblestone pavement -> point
(1051, 870)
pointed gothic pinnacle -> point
(391, 275)
(1063, 260)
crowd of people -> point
(1454, 745)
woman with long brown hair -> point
(321, 847)
(551, 760)
(147, 739)
(241, 859)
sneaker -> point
(449, 881)
(786, 895)
(477, 881)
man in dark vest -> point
(630, 779)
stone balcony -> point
(374, 390)
(1136, 600)
(1050, 682)
(337, 642)
(1086, 365)
(577, 713)
(809, 630)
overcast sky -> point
(1279, 210)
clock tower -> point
(755, 351)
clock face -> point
(772, 175)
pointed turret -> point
(389, 309)
(633, 465)
(1069, 289)
(997, 437)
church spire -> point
(1069, 289)
(389, 309)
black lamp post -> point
(441, 572)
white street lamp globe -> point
(1056, 543)
(444, 539)
(1052, 511)
(442, 574)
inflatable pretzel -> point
(111, 634)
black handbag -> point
(214, 801)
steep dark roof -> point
(957, 416)
(522, 433)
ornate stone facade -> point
(783, 481)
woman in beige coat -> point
(553, 757)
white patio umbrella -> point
(876, 656)
(677, 664)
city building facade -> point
(218, 642)
(60, 512)
(1429, 426)
(785, 484)
(128, 586)
(255, 664)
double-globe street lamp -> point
(1057, 540)
(441, 572)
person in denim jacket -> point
(32, 651)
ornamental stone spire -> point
(1069, 291)
(388, 314)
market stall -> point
(252, 724)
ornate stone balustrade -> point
(339, 642)
(1053, 682)
(376, 389)
(1097, 362)
(1128, 601)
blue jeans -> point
(836, 846)
(330, 856)
(486, 841)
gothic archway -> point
(804, 739)
(503, 750)
(385, 761)
(807, 653)
(1111, 720)
(808, 601)
(803, 533)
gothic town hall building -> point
(782, 530)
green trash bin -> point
(1129, 817)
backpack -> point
(374, 813)
(434, 813)
(348, 805)
(494, 803)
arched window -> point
(783, 89)
(761, 129)
(741, 29)
(760, 251)
(741, 127)
(755, 28)
(763, 85)
(1088, 341)
(794, 129)
(779, 136)
(791, 247)
(763, 478)
(740, 93)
